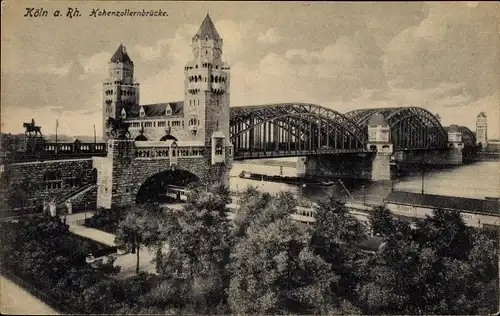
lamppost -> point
(85, 210)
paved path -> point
(94, 234)
(17, 301)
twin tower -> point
(205, 108)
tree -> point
(274, 271)
(200, 242)
(140, 228)
(442, 267)
(335, 237)
(382, 221)
(251, 203)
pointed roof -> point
(121, 56)
(207, 29)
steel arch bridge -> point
(302, 129)
(292, 129)
(412, 128)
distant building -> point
(475, 212)
(482, 129)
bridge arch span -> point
(292, 127)
(155, 186)
(468, 137)
(411, 127)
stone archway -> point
(155, 187)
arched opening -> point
(167, 186)
(141, 138)
(168, 137)
(373, 148)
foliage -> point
(274, 271)
(267, 263)
(200, 241)
(441, 267)
(41, 252)
(140, 228)
(106, 219)
(251, 203)
(335, 237)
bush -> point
(42, 252)
(106, 219)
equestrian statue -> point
(32, 128)
(117, 128)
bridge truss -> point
(292, 129)
(412, 128)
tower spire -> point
(207, 29)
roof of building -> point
(488, 206)
(157, 109)
(207, 29)
(377, 119)
(121, 56)
(481, 114)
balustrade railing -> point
(169, 152)
(55, 151)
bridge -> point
(358, 144)
(302, 129)
(293, 129)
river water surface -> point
(478, 180)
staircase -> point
(76, 193)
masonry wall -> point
(450, 156)
(29, 178)
(353, 166)
(121, 174)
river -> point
(478, 180)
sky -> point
(440, 56)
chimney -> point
(124, 50)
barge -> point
(305, 182)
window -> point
(52, 180)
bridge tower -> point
(379, 133)
(455, 145)
(120, 91)
(206, 82)
(482, 129)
